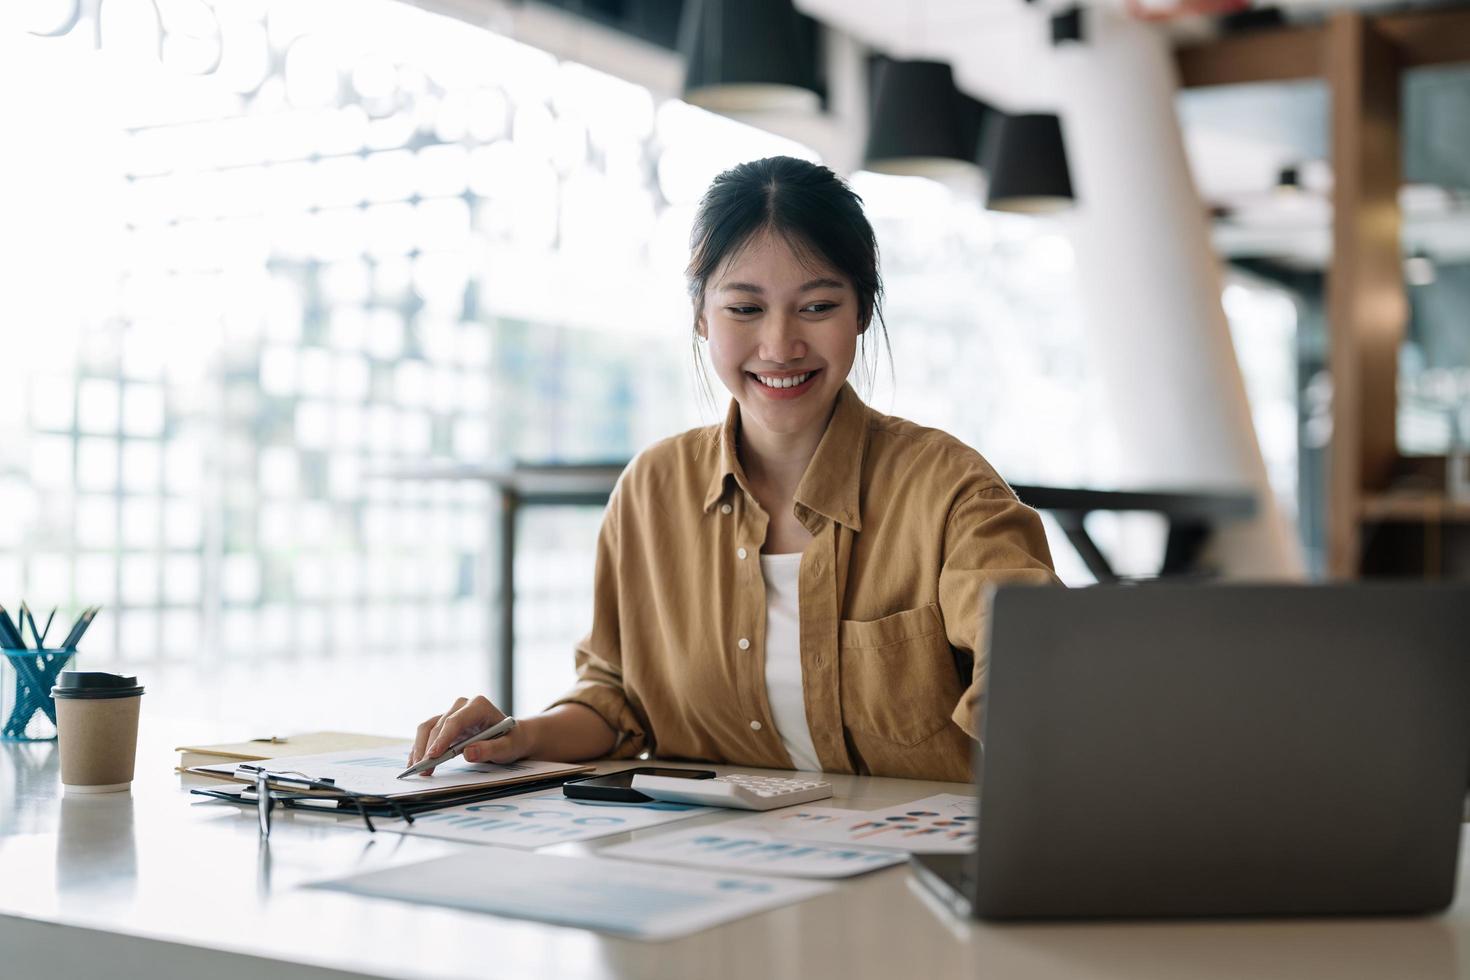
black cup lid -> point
(94, 684)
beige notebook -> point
(307, 743)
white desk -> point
(155, 885)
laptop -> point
(1188, 750)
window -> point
(321, 243)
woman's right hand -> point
(466, 717)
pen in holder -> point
(26, 705)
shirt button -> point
(755, 726)
(744, 644)
(740, 553)
(725, 508)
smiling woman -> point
(781, 345)
(803, 586)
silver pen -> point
(500, 728)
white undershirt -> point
(783, 658)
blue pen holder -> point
(27, 710)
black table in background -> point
(1192, 517)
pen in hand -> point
(502, 727)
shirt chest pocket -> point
(898, 675)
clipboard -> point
(245, 796)
(371, 773)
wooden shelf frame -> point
(1421, 38)
(1362, 60)
(1414, 508)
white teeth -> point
(790, 382)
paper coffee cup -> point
(97, 727)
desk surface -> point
(155, 884)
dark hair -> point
(811, 208)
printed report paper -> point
(539, 819)
(626, 898)
(727, 845)
(942, 824)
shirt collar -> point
(729, 460)
(832, 483)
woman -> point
(804, 585)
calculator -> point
(734, 791)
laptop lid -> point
(1223, 750)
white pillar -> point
(1150, 288)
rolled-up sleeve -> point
(991, 538)
(599, 655)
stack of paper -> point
(278, 747)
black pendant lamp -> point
(748, 56)
(1027, 163)
(921, 125)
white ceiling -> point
(1238, 138)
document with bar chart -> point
(626, 898)
(724, 847)
(534, 821)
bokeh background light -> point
(275, 255)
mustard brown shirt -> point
(911, 529)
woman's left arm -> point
(990, 538)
